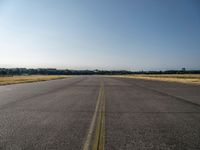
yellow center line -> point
(95, 136)
(101, 133)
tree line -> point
(52, 71)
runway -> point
(88, 112)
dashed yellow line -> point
(95, 139)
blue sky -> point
(100, 34)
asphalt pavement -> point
(115, 113)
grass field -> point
(182, 78)
(28, 78)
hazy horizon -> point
(104, 35)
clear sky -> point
(100, 34)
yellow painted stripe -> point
(96, 124)
(102, 122)
(99, 138)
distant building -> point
(183, 69)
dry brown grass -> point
(181, 78)
(31, 78)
